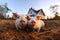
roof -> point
(36, 11)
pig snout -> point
(33, 23)
(22, 22)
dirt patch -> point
(51, 31)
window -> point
(30, 12)
(32, 15)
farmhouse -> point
(32, 12)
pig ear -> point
(27, 16)
(38, 15)
(15, 15)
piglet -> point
(36, 23)
(21, 21)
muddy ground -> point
(51, 31)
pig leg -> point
(38, 29)
(16, 26)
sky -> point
(22, 6)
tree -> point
(56, 16)
(54, 8)
(1, 16)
